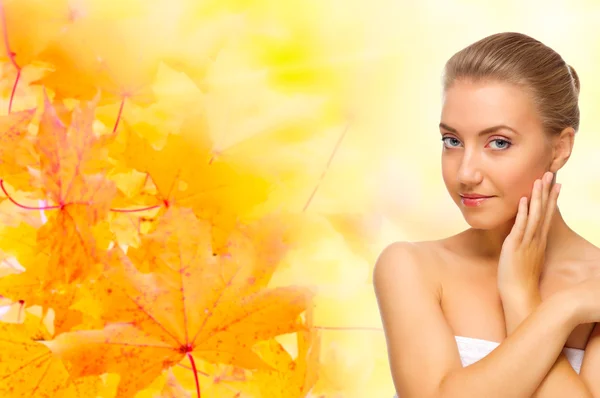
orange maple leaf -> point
(72, 176)
(21, 46)
(29, 369)
(173, 389)
(185, 175)
(291, 378)
(193, 303)
(68, 248)
(15, 150)
(117, 62)
(35, 284)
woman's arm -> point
(519, 270)
(521, 362)
(423, 354)
(561, 380)
(590, 369)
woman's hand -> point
(522, 256)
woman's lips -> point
(474, 201)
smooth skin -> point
(519, 276)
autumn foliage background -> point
(159, 164)
(193, 194)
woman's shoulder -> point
(587, 259)
(428, 253)
(577, 262)
(416, 253)
(404, 273)
(412, 260)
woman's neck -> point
(488, 243)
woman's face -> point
(477, 159)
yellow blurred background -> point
(337, 102)
(389, 164)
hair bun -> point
(575, 77)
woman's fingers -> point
(518, 229)
(541, 209)
(535, 212)
(546, 182)
(546, 185)
(552, 200)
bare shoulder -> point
(585, 261)
(400, 260)
(421, 345)
(593, 261)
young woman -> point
(507, 308)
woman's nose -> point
(469, 172)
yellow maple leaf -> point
(29, 369)
(194, 303)
(117, 62)
(15, 150)
(71, 177)
(292, 378)
(185, 175)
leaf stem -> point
(119, 115)
(11, 56)
(135, 210)
(21, 305)
(197, 371)
(326, 169)
(59, 207)
(23, 206)
(14, 90)
(189, 354)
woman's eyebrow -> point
(482, 132)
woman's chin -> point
(483, 221)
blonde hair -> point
(521, 60)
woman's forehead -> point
(476, 106)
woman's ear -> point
(562, 147)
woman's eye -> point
(498, 143)
(501, 144)
(450, 141)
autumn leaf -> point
(156, 165)
(193, 303)
(43, 278)
(72, 179)
(291, 378)
(241, 115)
(207, 38)
(68, 247)
(234, 116)
(28, 368)
(173, 389)
(216, 380)
(167, 385)
(185, 175)
(29, 289)
(25, 45)
(175, 96)
(15, 150)
(27, 281)
(72, 155)
(117, 62)
(265, 241)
